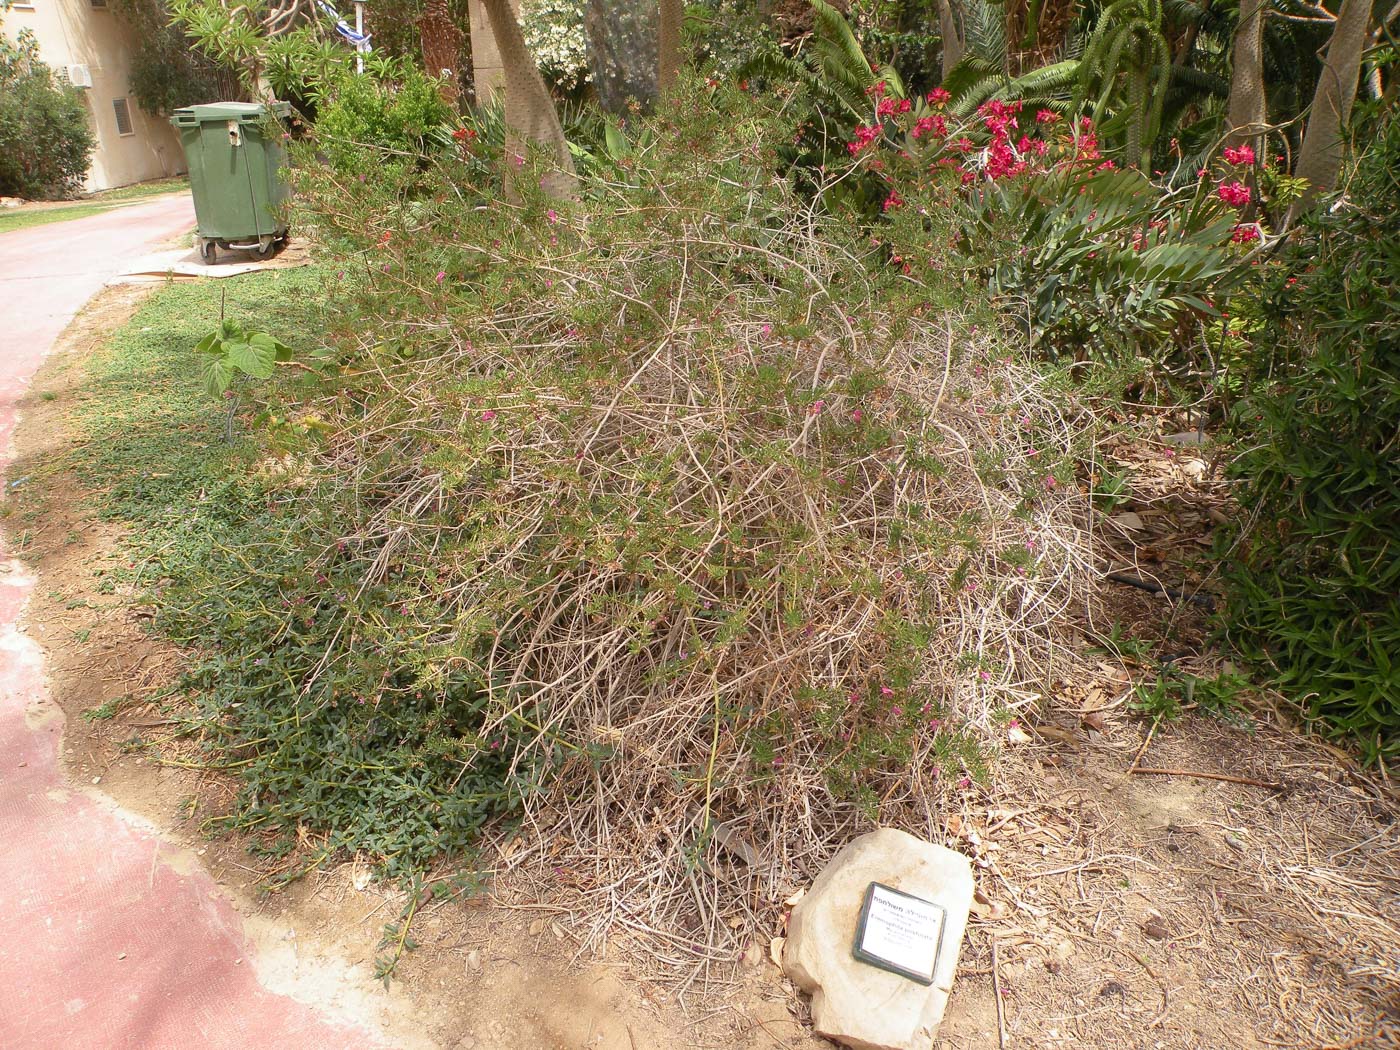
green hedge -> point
(1315, 584)
(45, 140)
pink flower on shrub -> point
(935, 124)
(1245, 233)
(1046, 116)
(1243, 155)
(441, 276)
(865, 135)
(1234, 193)
(894, 200)
(938, 96)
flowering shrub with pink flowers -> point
(1092, 259)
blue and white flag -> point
(360, 40)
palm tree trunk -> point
(1246, 115)
(1320, 157)
(441, 40)
(668, 63)
(529, 117)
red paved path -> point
(103, 945)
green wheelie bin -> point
(236, 157)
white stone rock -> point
(855, 1003)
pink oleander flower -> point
(1245, 233)
(1234, 193)
(1243, 155)
(1046, 116)
(938, 96)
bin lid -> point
(243, 112)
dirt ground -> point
(1115, 908)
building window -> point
(123, 117)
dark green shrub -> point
(45, 140)
(1315, 584)
(166, 73)
(365, 124)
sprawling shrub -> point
(45, 139)
(673, 518)
(1315, 576)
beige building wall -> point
(88, 33)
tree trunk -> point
(668, 59)
(442, 48)
(529, 116)
(1320, 157)
(622, 52)
(1246, 115)
(952, 42)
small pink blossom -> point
(441, 275)
(886, 691)
(856, 416)
(552, 215)
(766, 331)
(816, 408)
(488, 415)
(965, 782)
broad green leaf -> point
(217, 375)
(253, 358)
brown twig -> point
(996, 993)
(1133, 765)
(1208, 776)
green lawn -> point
(22, 218)
(142, 189)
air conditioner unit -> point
(79, 76)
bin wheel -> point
(206, 251)
(264, 248)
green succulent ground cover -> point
(205, 515)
